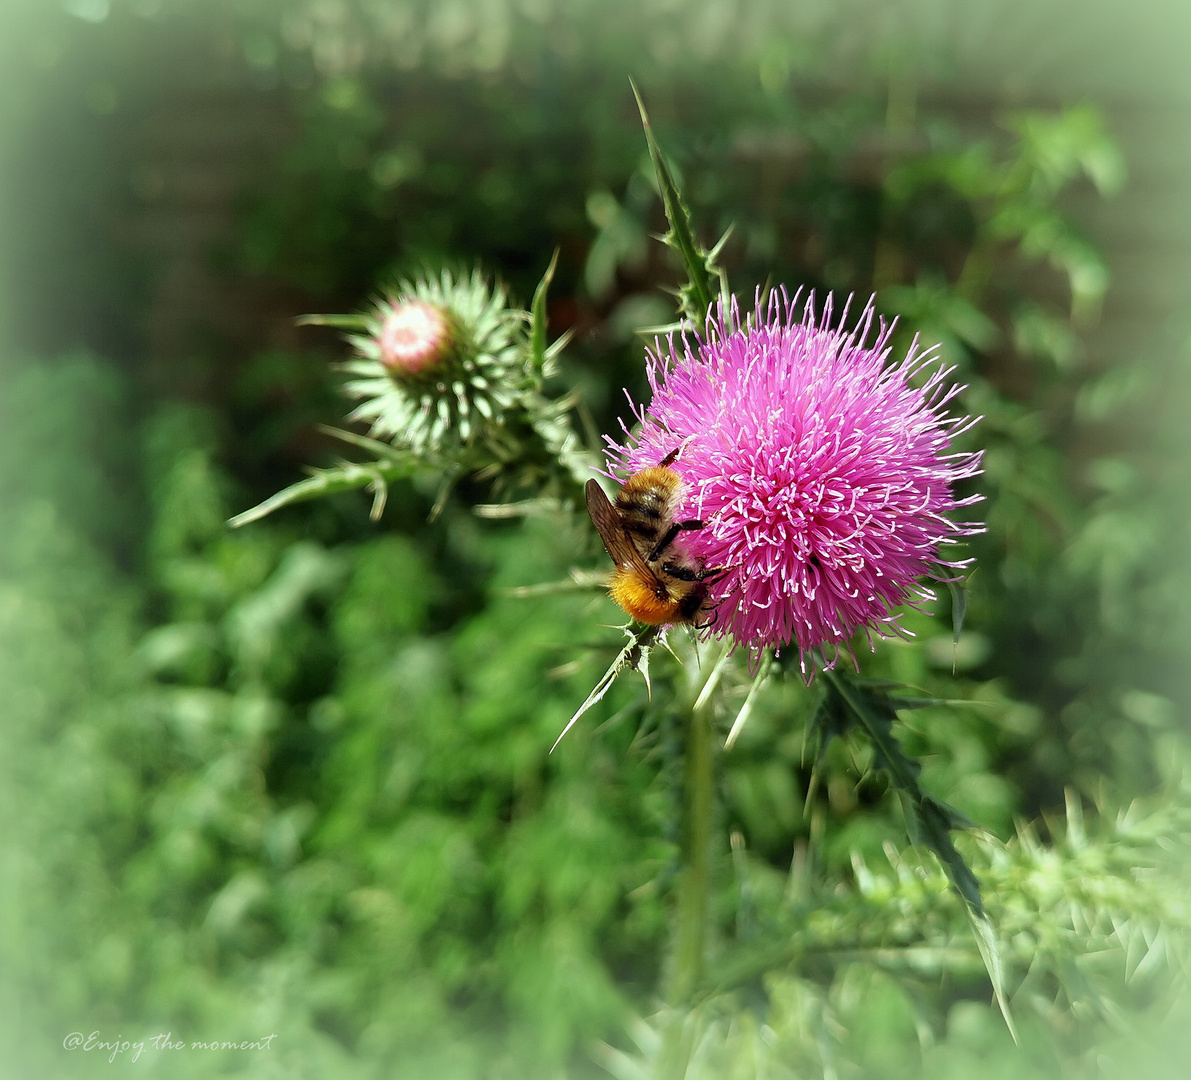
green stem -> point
(691, 928)
(694, 890)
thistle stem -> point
(690, 932)
(694, 890)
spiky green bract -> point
(481, 374)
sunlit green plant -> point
(844, 706)
(297, 774)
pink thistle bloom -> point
(822, 471)
(413, 336)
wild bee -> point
(654, 580)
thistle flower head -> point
(439, 361)
(821, 471)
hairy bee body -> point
(655, 581)
(646, 503)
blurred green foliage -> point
(294, 778)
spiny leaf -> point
(640, 639)
(929, 823)
(928, 819)
(347, 476)
(827, 719)
(697, 295)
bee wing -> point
(619, 544)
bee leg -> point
(671, 533)
(710, 610)
(691, 605)
(685, 573)
(682, 573)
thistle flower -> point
(440, 360)
(820, 470)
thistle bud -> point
(439, 362)
(414, 337)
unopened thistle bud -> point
(439, 362)
(413, 338)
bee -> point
(654, 580)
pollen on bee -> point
(639, 598)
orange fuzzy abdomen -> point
(639, 598)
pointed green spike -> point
(760, 681)
(959, 606)
(990, 952)
(340, 322)
(697, 296)
(383, 450)
(537, 334)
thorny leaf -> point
(696, 296)
(929, 821)
(641, 638)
